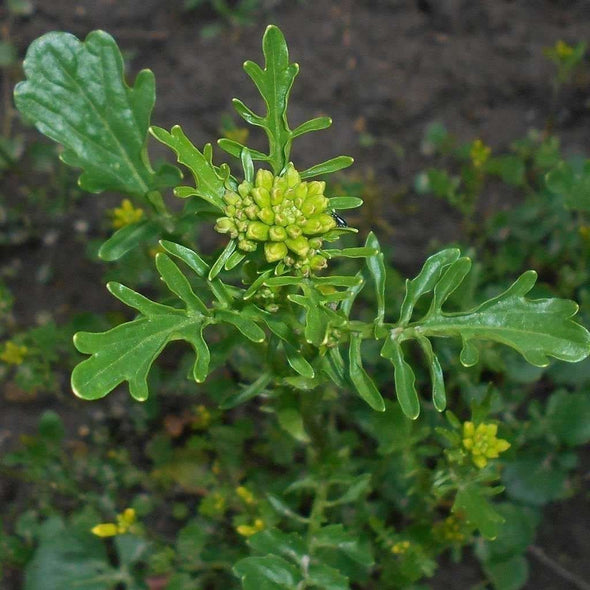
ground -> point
(383, 70)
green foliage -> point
(304, 485)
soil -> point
(383, 70)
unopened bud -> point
(257, 231)
(277, 233)
(275, 251)
(299, 245)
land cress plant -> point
(274, 297)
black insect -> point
(340, 221)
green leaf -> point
(568, 415)
(298, 362)
(349, 543)
(68, 559)
(508, 574)
(234, 148)
(425, 281)
(274, 83)
(405, 389)
(316, 124)
(327, 167)
(267, 573)
(478, 511)
(190, 257)
(252, 390)
(209, 180)
(276, 542)
(126, 353)
(376, 267)
(127, 238)
(351, 253)
(535, 479)
(573, 186)
(326, 577)
(222, 259)
(178, 284)
(439, 398)
(75, 93)
(365, 386)
(536, 328)
(246, 326)
(344, 203)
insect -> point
(340, 221)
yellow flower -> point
(126, 214)
(13, 354)
(248, 530)
(124, 524)
(450, 529)
(482, 442)
(563, 50)
(245, 494)
(400, 547)
(479, 153)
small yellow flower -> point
(482, 442)
(124, 524)
(563, 50)
(248, 530)
(450, 530)
(245, 494)
(202, 417)
(126, 214)
(479, 153)
(13, 354)
(400, 547)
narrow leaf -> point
(451, 279)
(234, 148)
(376, 267)
(339, 203)
(298, 362)
(246, 326)
(316, 124)
(188, 256)
(327, 167)
(252, 390)
(222, 259)
(363, 383)
(425, 281)
(127, 238)
(439, 398)
(178, 283)
(404, 379)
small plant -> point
(280, 309)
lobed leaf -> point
(209, 180)
(537, 329)
(76, 94)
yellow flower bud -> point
(482, 442)
(257, 231)
(277, 233)
(13, 354)
(275, 251)
(299, 245)
(266, 215)
(264, 178)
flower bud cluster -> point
(482, 442)
(288, 216)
